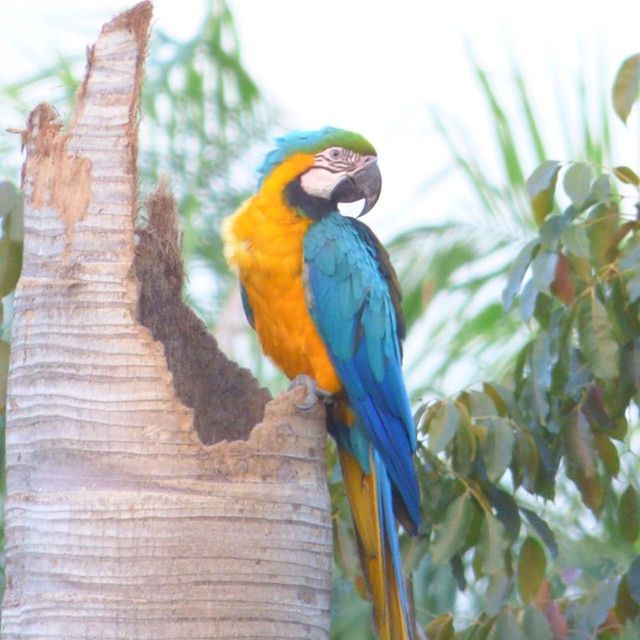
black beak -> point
(364, 183)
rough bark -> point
(200, 370)
(120, 521)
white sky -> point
(372, 66)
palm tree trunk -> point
(141, 501)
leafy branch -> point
(565, 412)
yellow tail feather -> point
(375, 558)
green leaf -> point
(599, 603)
(623, 322)
(10, 264)
(506, 510)
(10, 198)
(577, 182)
(601, 189)
(4, 374)
(506, 627)
(576, 241)
(633, 288)
(593, 407)
(518, 269)
(580, 444)
(626, 87)
(442, 426)
(13, 224)
(551, 231)
(595, 332)
(479, 629)
(633, 580)
(608, 454)
(451, 532)
(601, 227)
(528, 301)
(457, 571)
(629, 265)
(536, 398)
(466, 447)
(626, 606)
(563, 346)
(496, 593)
(526, 459)
(630, 259)
(541, 186)
(12, 210)
(532, 564)
(501, 398)
(492, 545)
(542, 529)
(441, 627)
(632, 365)
(497, 447)
(542, 359)
(544, 270)
(626, 175)
(629, 515)
(582, 467)
(542, 311)
(482, 405)
(413, 552)
(535, 624)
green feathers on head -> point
(313, 142)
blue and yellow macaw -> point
(320, 291)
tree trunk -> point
(130, 513)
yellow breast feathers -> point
(263, 241)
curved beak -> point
(363, 183)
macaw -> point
(319, 289)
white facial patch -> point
(319, 182)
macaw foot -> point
(313, 393)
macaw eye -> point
(334, 154)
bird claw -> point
(313, 393)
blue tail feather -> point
(390, 530)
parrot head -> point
(319, 169)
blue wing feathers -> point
(326, 259)
(355, 306)
(246, 305)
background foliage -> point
(531, 499)
(529, 481)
